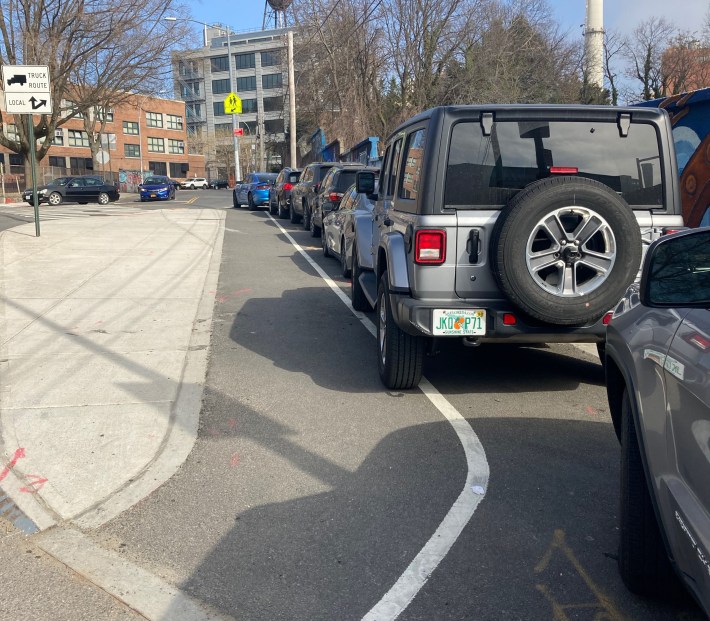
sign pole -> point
(33, 164)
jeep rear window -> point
(487, 171)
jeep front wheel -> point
(401, 355)
(565, 249)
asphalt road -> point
(311, 488)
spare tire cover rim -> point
(571, 251)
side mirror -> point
(365, 183)
(316, 188)
(676, 271)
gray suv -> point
(522, 224)
(658, 384)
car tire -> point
(142, 200)
(103, 198)
(357, 295)
(643, 561)
(250, 202)
(315, 230)
(294, 217)
(235, 201)
(283, 214)
(306, 218)
(55, 198)
(400, 355)
(192, 186)
(324, 243)
(546, 261)
(343, 260)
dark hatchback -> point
(79, 189)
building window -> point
(220, 86)
(246, 84)
(275, 126)
(187, 67)
(80, 165)
(249, 106)
(132, 150)
(269, 59)
(222, 130)
(57, 161)
(174, 122)
(245, 61)
(193, 112)
(176, 146)
(69, 107)
(189, 90)
(156, 145)
(219, 63)
(273, 104)
(78, 138)
(11, 132)
(153, 119)
(104, 114)
(58, 137)
(158, 168)
(108, 141)
(218, 107)
(130, 127)
(272, 80)
(179, 169)
(16, 159)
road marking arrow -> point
(35, 484)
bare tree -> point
(96, 50)
(614, 49)
(644, 55)
(685, 65)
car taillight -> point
(509, 319)
(334, 197)
(670, 231)
(288, 186)
(564, 170)
(263, 186)
(607, 318)
(430, 246)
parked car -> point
(194, 182)
(658, 385)
(219, 184)
(331, 191)
(157, 187)
(280, 192)
(254, 191)
(304, 192)
(77, 189)
(516, 224)
(338, 231)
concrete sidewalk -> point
(104, 335)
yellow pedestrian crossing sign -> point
(232, 104)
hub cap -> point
(571, 252)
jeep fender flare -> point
(393, 250)
(362, 226)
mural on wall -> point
(129, 180)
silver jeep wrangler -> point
(516, 223)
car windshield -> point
(345, 179)
(155, 180)
(266, 177)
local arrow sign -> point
(27, 89)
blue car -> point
(254, 191)
(157, 188)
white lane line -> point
(140, 590)
(405, 589)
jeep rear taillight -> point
(430, 246)
(334, 197)
(288, 186)
(564, 170)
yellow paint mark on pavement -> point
(601, 604)
(192, 200)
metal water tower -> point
(594, 42)
(275, 13)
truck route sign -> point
(26, 89)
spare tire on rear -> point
(565, 249)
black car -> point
(304, 192)
(78, 189)
(219, 184)
(280, 192)
(332, 188)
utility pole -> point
(291, 101)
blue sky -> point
(622, 15)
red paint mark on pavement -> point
(236, 458)
(222, 299)
(35, 483)
(19, 454)
(232, 423)
(241, 291)
(591, 411)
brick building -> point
(142, 135)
